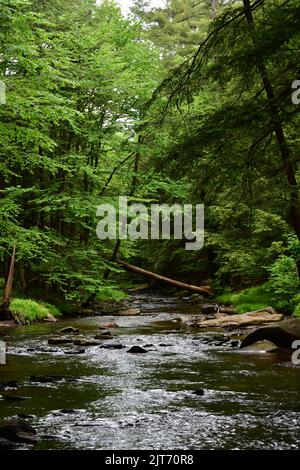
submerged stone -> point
(137, 350)
(114, 345)
(19, 433)
(60, 340)
(86, 342)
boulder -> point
(267, 315)
(283, 334)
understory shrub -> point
(29, 311)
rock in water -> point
(104, 335)
(209, 308)
(75, 351)
(14, 398)
(200, 392)
(108, 325)
(130, 312)
(283, 334)
(9, 384)
(50, 318)
(86, 342)
(19, 433)
(69, 329)
(60, 340)
(258, 317)
(137, 350)
(112, 345)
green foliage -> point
(78, 79)
(90, 93)
(177, 28)
(110, 293)
(29, 311)
(296, 312)
(284, 282)
(51, 309)
(254, 298)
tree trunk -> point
(8, 287)
(181, 285)
(213, 8)
(279, 132)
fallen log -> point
(181, 285)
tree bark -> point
(181, 285)
(279, 133)
(8, 286)
(213, 8)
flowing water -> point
(109, 399)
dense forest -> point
(149, 228)
(190, 103)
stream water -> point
(109, 399)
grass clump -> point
(248, 300)
(29, 311)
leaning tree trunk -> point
(181, 285)
(279, 133)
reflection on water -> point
(109, 399)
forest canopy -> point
(190, 103)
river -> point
(110, 399)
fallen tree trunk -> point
(181, 285)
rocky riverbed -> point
(144, 382)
